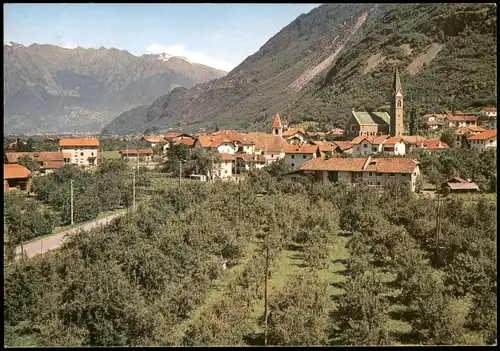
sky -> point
(217, 35)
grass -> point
(218, 287)
(290, 262)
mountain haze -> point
(49, 88)
(338, 57)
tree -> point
(448, 137)
(29, 163)
(414, 122)
(362, 316)
(299, 312)
(176, 154)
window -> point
(378, 183)
(81, 153)
(399, 103)
(303, 156)
(293, 164)
(365, 145)
(392, 174)
(272, 156)
(370, 174)
(374, 149)
(293, 156)
(402, 174)
(91, 154)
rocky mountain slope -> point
(47, 87)
(340, 56)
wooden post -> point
(71, 183)
(22, 241)
(133, 192)
(180, 172)
(265, 297)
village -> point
(372, 147)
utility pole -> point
(180, 172)
(239, 199)
(212, 171)
(265, 296)
(438, 229)
(133, 192)
(22, 241)
(72, 222)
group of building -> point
(368, 134)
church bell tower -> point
(397, 126)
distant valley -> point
(49, 88)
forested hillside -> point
(340, 56)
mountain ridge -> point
(47, 86)
(442, 40)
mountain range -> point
(338, 57)
(50, 88)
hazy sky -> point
(218, 35)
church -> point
(379, 123)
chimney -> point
(367, 162)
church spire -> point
(277, 126)
(396, 84)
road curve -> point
(54, 241)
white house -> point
(81, 152)
(247, 162)
(367, 144)
(295, 136)
(434, 121)
(461, 121)
(226, 167)
(296, 155)
(374, 171)
(490, 112)
(395, 146)
(483, 141)
(217, 142)
(461, 134)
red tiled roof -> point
(462, 118)
(343, 145)
(490, 109)
(484, 135)
(433, 144)
(13, 157)
(300, 149)
(394, 140)
(336, 131)
(372, 139)
(251, 158)
(462, 186)
(293, 131)
(435, 115)
(277, 121)
(79, 142)
(413, 139)
(52, 164)
(227, 157)
(213, 141)
(469, 130)
(433, 123)
(185, 141)
(267, 142)
(15, 171)
(153, 139)
(380, 165)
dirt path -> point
(48, 243)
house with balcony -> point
(483, 141)
(368, 144)
(373, 171)
(296, 155)
(80, 151)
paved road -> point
(54, 241)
